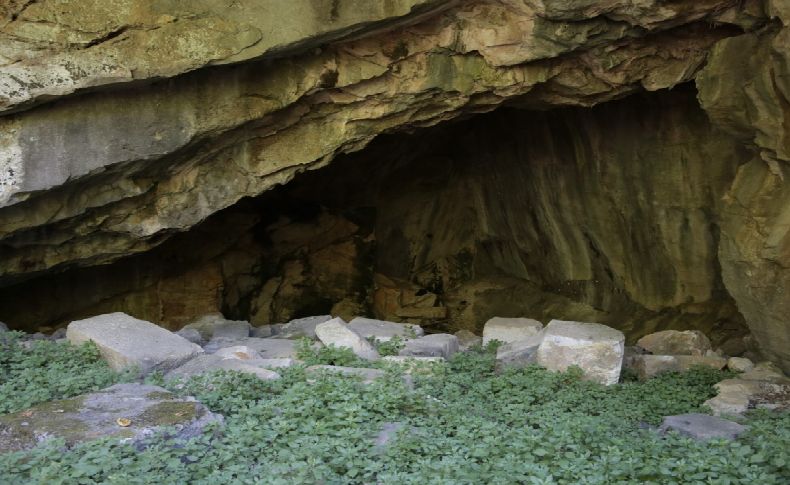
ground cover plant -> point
(463, 422)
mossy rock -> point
(103, 414)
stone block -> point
(508, 330)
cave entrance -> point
(604, 214)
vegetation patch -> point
(463, 423)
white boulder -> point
(384, 331)
(508, 330)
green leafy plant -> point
(390, 347)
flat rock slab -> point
(214, 325)
(302, 327)
(209, 363)
(508, 330)
(675, 342)
(125, 341)
(336, 332)
(435, 345)
(647, 365)
(702, 426)
(367, 375)
(736, 396)
(384, 331)
(267, 348)
(597, 349)
(96, 415)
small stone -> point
(467, 340)
(739, 364)
(384, 331)
(125, 342)
(701, 426)
(435, 345)
(336, 332)
(302, 327)
(597, 349)
(241, 352)
(674, 342)
(508, 330)
(520, 353)
(191, 334)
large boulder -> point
(740, 364)
(467, 339)
(104, 414)
(520, 353)
(508, 330)
(211, 362)
(597, 349)
(435, 345)
(384, 331)
(674, 342)
(336, 332)
(125, 342)
(701, 426)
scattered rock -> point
(648, 365)
(508, 330)
(262, 331)
(241, 352)
(191, 334)
(384, 331)
(214, 325)
(302, 327)
(674, 342)
(740, 364)
(702, 426)
(268, 348)
(209, 363)
(125, 341)
(129, 412)
(597, 349)
(367, 375)
(467, 340)
(520, 353)
(335, 332)
(435, 345)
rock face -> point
(97, 415)
(643, 214)
(596, 349)
(126, 342)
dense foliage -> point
(463, 423)
(47, 371)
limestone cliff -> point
(131, 130)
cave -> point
(422, 161)
(607, 214)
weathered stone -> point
(647, 366)
(302, 327)
(508, 330)
(467, 340)
(367, 375)
(674, 342)
(210, 363)
(434, 345)
(241, 352)
(736, 396)
(268, 348)
(336, 332)
(126, 342)
(702, 427)
(519, 353)
(765, 371)
(92, 416)
(214, 325)
(191, 334)
(262, 331)
(597, 349)
(384, 331)
(740, 364)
